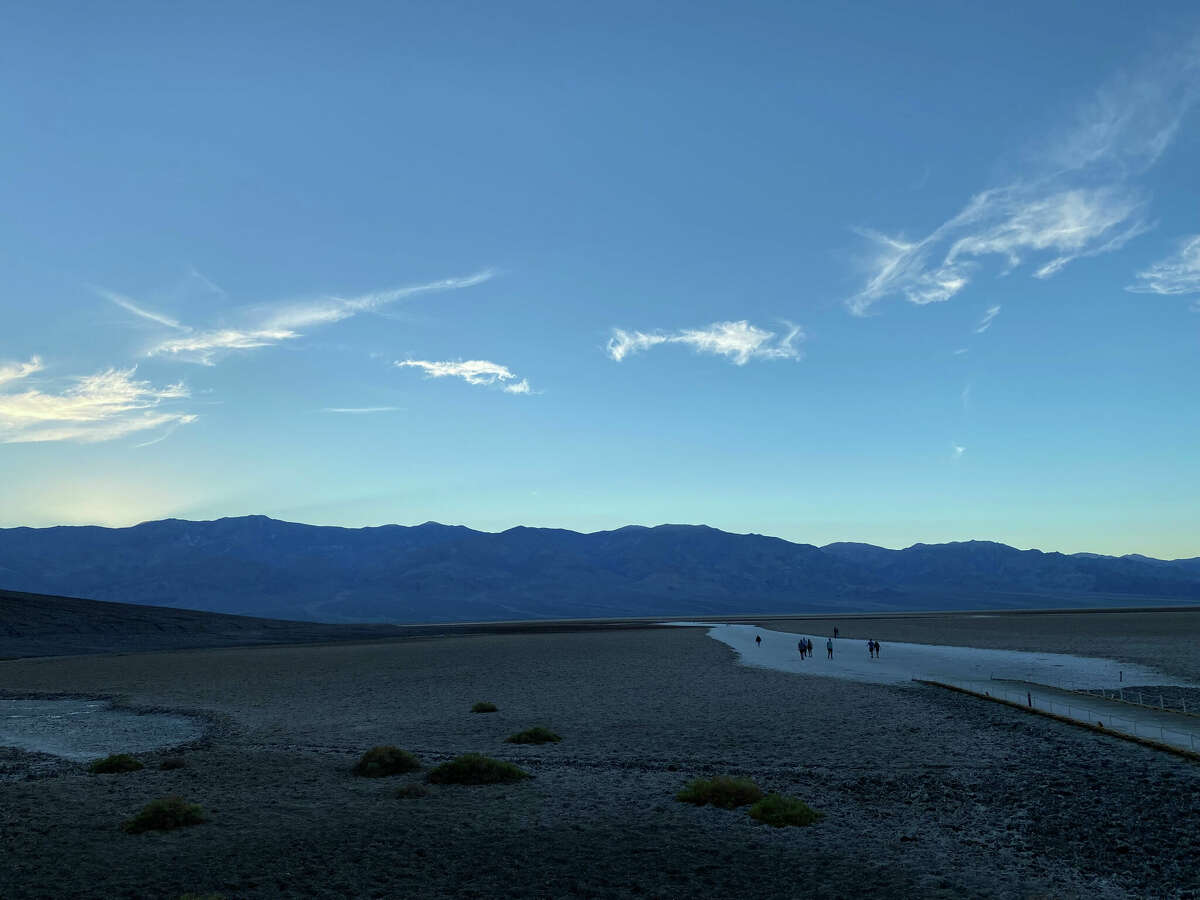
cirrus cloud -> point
(738, 341)
(1175, 275)
(99, 407)
(472, 371)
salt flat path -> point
(1044, 680)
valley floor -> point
(926, 793)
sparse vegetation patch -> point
(115, 764)
(483, 706)
(165, 814)
(414, 790)
(475, 768)
(780, 810)
(173, 762)
(536, 735)
(384, 760)
(722, 791)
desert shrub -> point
(381, 761)
(723, 791)
(475, 768)
(118, 762)
(173, 762)
(414, 790)
(164, 814)
(780, 810)
(536, 735)
(483, 706)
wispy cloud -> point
(126, 303)
(100, 407)
(738, 341)
(360, 410)
(266, 326)
(1178, 274)
(205, 346)
(472, 371)
(18, 370)
(1077, 201)
(988, 317)
(957, 450)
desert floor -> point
(926, 793)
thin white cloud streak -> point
(335, 309)
(472, 371)
(17, 371)
(100, 407)
(988, 317)
(1078, 202)
(126, 303)
(957, 451)
(204, 347)
(738, 341)
(287, 321)
(1176, 275)
(361, 410)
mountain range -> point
(257, 566)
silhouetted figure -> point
(758, 639)
(835, 632)
(871, 649)
(829, 647)
(877, 649)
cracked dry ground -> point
(926, 793)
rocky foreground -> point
(926, 793)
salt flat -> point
(926, 793)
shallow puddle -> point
(83, 730)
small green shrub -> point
(164, 814)
(414, 790)
(379, 762)
(780, 810)
(475, 768)
(118, 762)
(483, 706)
(723, 791)
(173, 762)
(536, 735)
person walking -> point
(758, 639)
(810, 648)
(877, 649)
(801, 646)
(871, 649)
(829, 647)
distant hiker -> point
(877, 649)
(829, 647)
(810, 648)
(758, 639)
(800, 647)
(871, 649)
(835, 632)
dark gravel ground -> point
(926, 793)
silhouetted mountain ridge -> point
(255, 565)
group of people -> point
(805, 646)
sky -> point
(868, 271)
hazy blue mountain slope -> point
(259, 566)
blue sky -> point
(827, 271)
